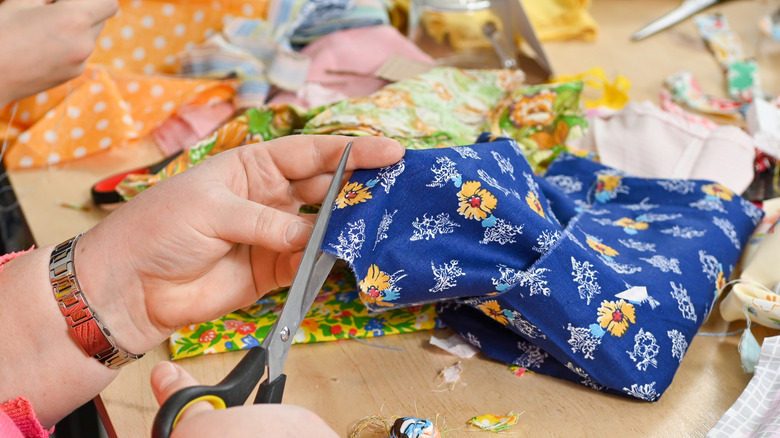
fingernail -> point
(297, 233)
(169, 374)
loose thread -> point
(74, 206)
(363, 341)
(750, 324)
(746, 281)
(731, 333)
(376, 424)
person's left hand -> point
(213, 238)
(45, 44)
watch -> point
(83, 324)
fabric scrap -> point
(443, 107)
(147, 35)
(770, 25)
(189, 125)
(686, 90)
(542, 118)
(455, 344)
(665, 145)
(763, 123)
(252, 125)
(450, 376)
(724, 44)
(755, 411)
(755, 292)
(741, 73)
(749, 349)
(613, 95)
(495, 423)
(344, 63)
(557, 20)
(98, 110)
(667, 103)
(517, 370)
(317, 18)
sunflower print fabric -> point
(586, 274)
(337, 313)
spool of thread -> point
(411, 427)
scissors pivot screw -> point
(285, 334)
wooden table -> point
(347, 380)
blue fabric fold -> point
(585, 274)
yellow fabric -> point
(126, 90)
(556, 20)
(599, 91)
(553, 20)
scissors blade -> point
(685, 10)
(308, 281)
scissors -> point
(236, 387)
(685, 10)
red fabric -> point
(17, 420)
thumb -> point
(168, 378)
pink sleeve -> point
(18, 420)
(7, 257)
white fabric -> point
(646, 141)
(756, 413)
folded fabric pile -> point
(587, 273)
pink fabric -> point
(7, 257)
(668, 105)
(362, 51)
(645, 141)
(17, 419)
(189, 125)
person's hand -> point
(43, 44)
(214, 238)
(202, 420)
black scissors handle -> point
(233, 390)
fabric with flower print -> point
(443, 107)
(542, 118)
(443, 200)
(450, 107)
(586, 273)
(337, 313)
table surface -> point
(345, 381)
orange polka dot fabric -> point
(146, 35)
(128, 88)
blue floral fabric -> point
(586, 273)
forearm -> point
(40, 360)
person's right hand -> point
(43, 44)
(202, 420)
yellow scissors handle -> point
(215, 401)
(233, 390)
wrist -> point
(84, 323)
(115, 292)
